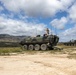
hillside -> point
(7, 40)
(10, 38)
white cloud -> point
(59, 23)
(1, 8)
(16, 27)
(45, 8)
(68, 34)
(36, 8)
(72, 12)
(70, 31)
(67, 3)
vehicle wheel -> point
(37, 47)
(43, 47)
(31, 47)
(25, 47)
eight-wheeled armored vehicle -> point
(40, 42)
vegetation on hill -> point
(10, 40)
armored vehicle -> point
(40, 42)
(70, 43)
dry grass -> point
(69, 50)
(8, 50)
(72, 56)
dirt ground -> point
(37, 64)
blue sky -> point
(32, 17)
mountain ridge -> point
(11, 38)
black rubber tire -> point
(43, 47)
(31, 47)
(25, 47)
(37, 47)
